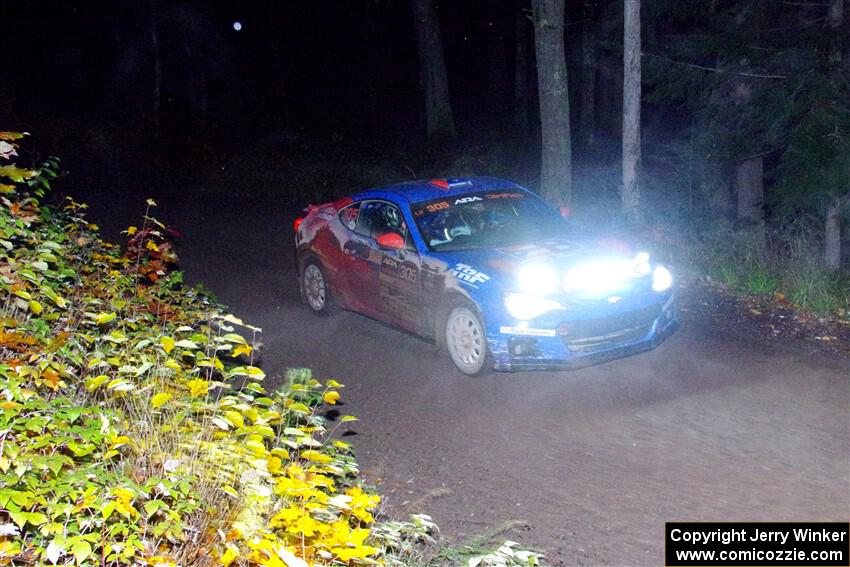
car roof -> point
(428, 189)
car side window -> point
(348, 216)
(379, 217)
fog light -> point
(662, 279)
(523, 347)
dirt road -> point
(710, 426)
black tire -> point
(463, 335)
(315, 290)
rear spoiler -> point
(335, 206)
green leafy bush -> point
(135, 427)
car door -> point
(393, 274)
(360, 260)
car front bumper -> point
(513, 352)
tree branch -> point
(716, 69)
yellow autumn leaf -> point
(273, 465)
(334, 384)
(231, 553)
(151, 203)
(104, 318)
(316, 456)
(346, 554)
(167, 344)
(331, 397)
(361, 503)
(198, 387)
(36, 307)
(124, 501)
(160, 399)
(151, 245)
(304, 525)
(234, 418)
(241, 349)
(95, 382)
(132, 230)
(280, 452)
(17, 174)
(299, 407)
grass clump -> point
(783, 264)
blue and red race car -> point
(488, 270)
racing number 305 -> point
(434, 207)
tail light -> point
(297, 223)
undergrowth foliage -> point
(783, 264)
(135, 428)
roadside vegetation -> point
(135, 427)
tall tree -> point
(589, 56)
(556, 151)
(432, 68)
(832, 223)
(631, 108)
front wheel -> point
(466, 340)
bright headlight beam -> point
(662, 279)
(641, 262)
(599, 277)
(605, 276)
(526, 307)
(538, 279)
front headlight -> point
(538, 279)
(527, 307)
(662, 279)
(606, 275)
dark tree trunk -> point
(832, 236)
(432, 67)
(749, 185)
(556, 158)
(832, 226)
(587, 110)
(521, 69)
(835, 17)
(631, 109)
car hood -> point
(560, 253)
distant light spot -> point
(237, 26)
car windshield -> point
(484, 220)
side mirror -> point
(391, 240)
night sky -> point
(322, 64)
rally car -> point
(486, 269)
